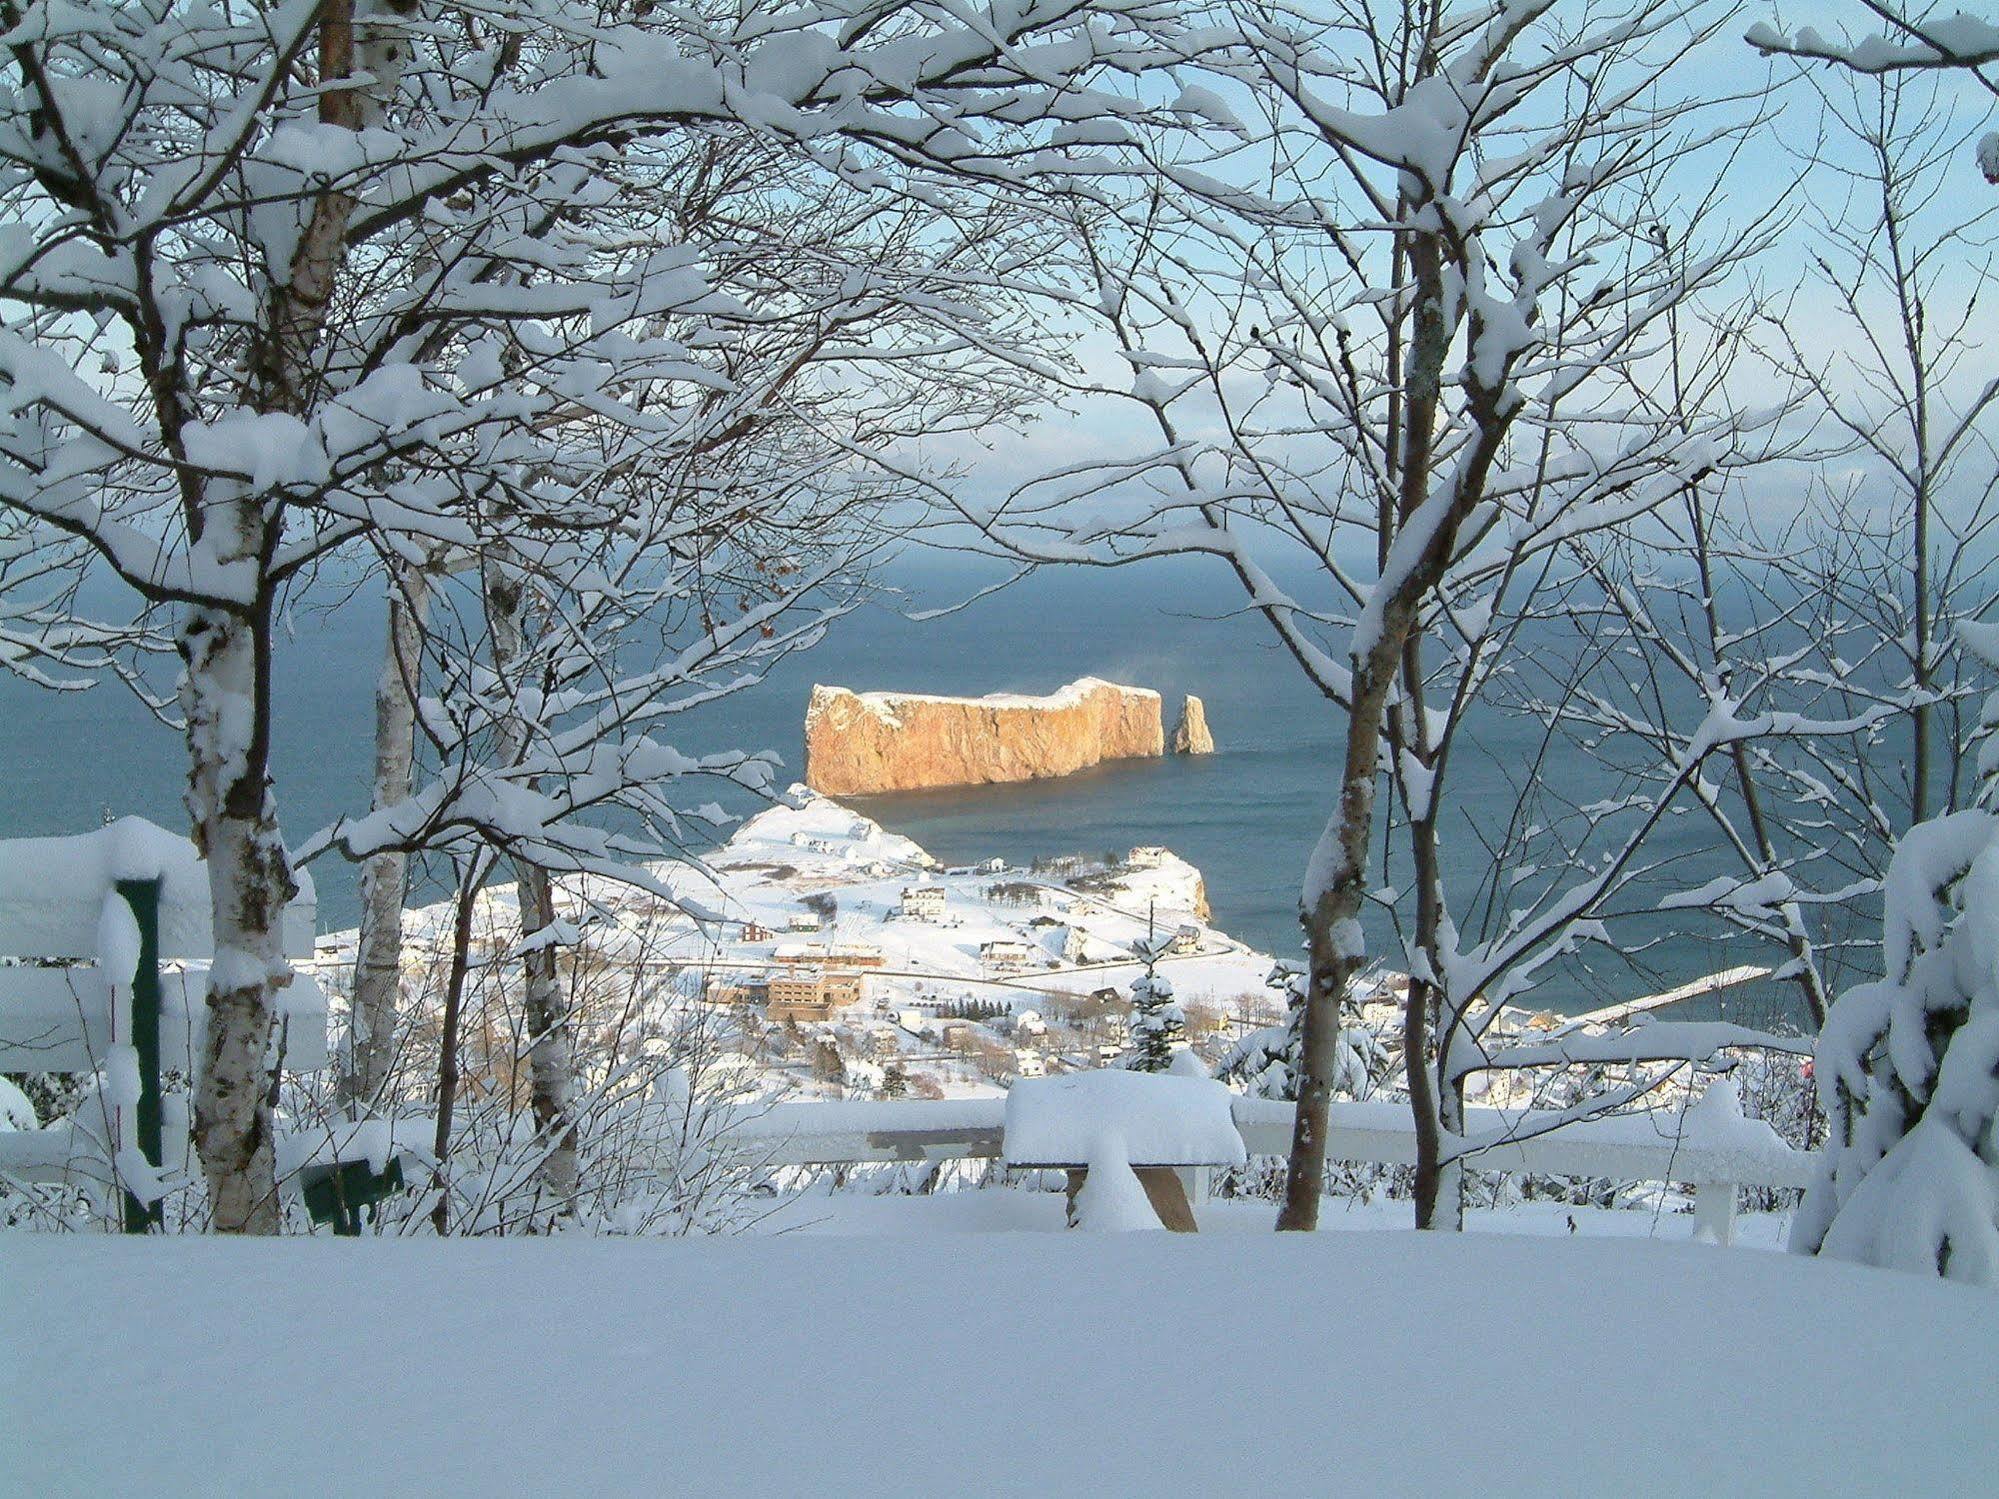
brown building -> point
(823, 955)
(813, 996)
(732, 990)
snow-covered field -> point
(1341, 1363)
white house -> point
(1005, 954)
(923, 902)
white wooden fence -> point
(1710, 1146)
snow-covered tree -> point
(1909, 39)
(1423, 375)
(45, 636)
(1264, 1062)
(246, 240)
(1828, 621)
(1907, 1067)
(1158, 1024)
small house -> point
(1004, 954)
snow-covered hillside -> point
(965, 975)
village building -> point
(736, 989)
(756, 931)
(923, 902)
(829, 955)
(1187, 939)
(1004, 954)
(1147, 856)
(813, 996)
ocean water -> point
(1247, 816)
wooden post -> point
(143, 896)
(1163, 1189)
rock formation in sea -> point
(858, 743)
(1190, 735)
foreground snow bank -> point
(1016, 1363)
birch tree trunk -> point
(551, 1045)
(226, 700)
(225, 695)
(385, 877)
(551, 1042)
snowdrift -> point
(999, 1364)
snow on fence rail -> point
(1709, 1146)
(87, 922)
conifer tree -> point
(1158, 1026)
(1907, 1066)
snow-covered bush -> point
(1908, 1066)
(1264, 1062)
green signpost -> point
(143, 896)
(338, 1193)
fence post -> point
(1714, 1211)
(1196, 1182)
(143, 896)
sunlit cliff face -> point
(860, 743)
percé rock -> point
(858, 743)
(1190, 735)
